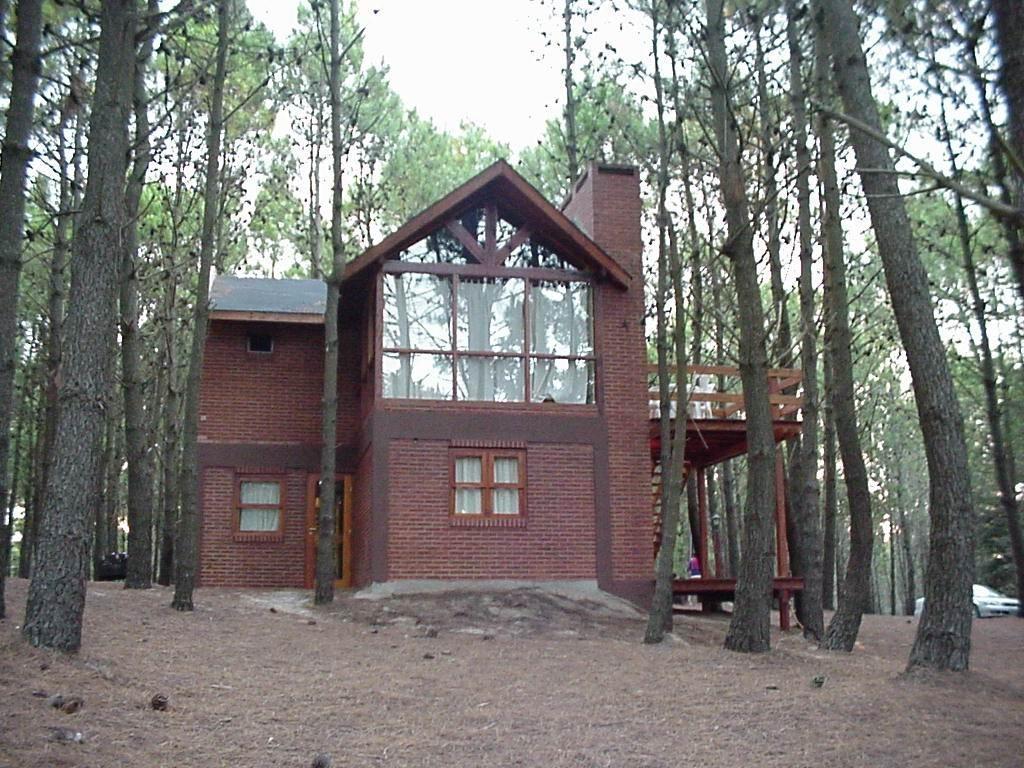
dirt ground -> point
(261, 679)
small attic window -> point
(261, 342)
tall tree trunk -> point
(749, 630)
(186, 554)
(15, 156)
(140, 468)
(782, 353)
(831, 502)
(326, 550)
(855, 590)
(7, 508)
(805, 543)
(892, 565)
(1005, 481)
(56, 600)
(659, 620)
(169, 419)
(909, 588)
(1008, 189)
(943, 639)
(109, 489)
(1009, 27)
(32, 493)
(571, 141)
(732, 536)
(58, 282)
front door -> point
(342, 528)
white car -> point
(987, 602)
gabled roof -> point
(252, 298)
(498, 183)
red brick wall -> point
(556, 543)
(249, 397)
(607, 207)
(266, 398)
(229, 563)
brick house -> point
(493, 406)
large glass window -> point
(450, 332)
(485, 354)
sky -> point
(457, 61)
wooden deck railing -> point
(715, 392)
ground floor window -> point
(258, 509)
(488, 483)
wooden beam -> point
(781, 542)
(502, 183)
(702, 513)
(490, 230)
(521, 236)
(468, 241)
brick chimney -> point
(605, 204)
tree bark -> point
(732, 534)
(943, 639)
(326, 549)
(15, 156)
(33, 494)
(56, 599)
(909, 588)
(659, 620)
(782, 353)
(7, 508)
(1009, 28)
(571, 145)
(828, 559)
(169, 418)
(855, 590)
(140, 468)
(749, 630)
(806, 543)
(186, 553)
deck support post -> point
(781, 543)
(702, 510)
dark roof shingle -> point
(258, 294)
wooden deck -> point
(716, 431)
(783, 589)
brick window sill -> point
(258, 538)
(467, 521)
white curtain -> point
(468, 469)
(506, 470)
(468, 501)
(258, 519)
(260, 493)
(506, 501)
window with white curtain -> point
(259, 506)
(488, 483)
(470, 338)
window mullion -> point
(527, 338)
(455, 336)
